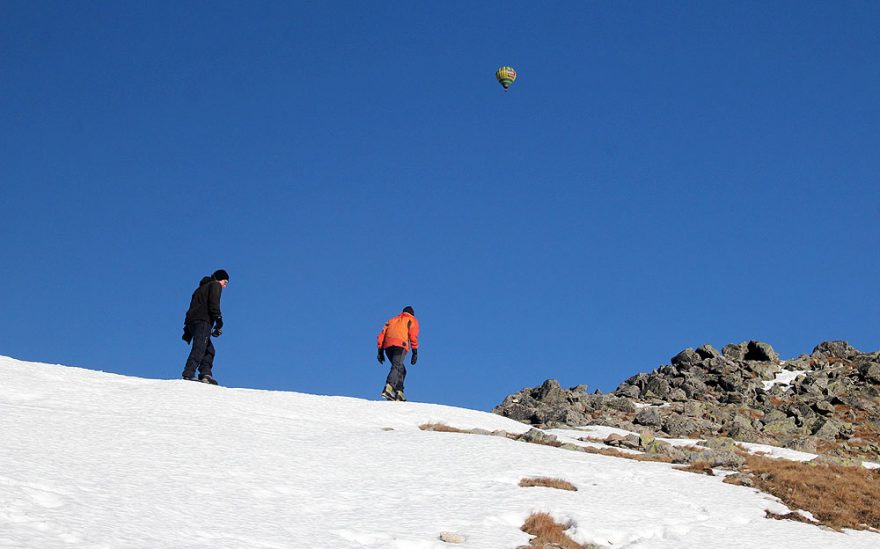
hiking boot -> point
(400, 396)
(207, 379)
(388, 392)
(189, 378)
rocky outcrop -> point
(827, 402)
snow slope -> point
(90, 459)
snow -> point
(784, 378)
(91, 459)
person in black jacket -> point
(204, 319)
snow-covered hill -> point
(90, 459)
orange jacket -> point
(400, 331)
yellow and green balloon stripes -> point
(505, 76)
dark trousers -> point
(201, 355)
(398, 370)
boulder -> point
(838, 349)
(760, 352)
(825, 428)
(708, 351)
(627, 390)
(648, 416)
(680, 426)
(734, 351)
(686, 359)
(870, 372)
(824, 407)
(658, 386)
(803, 444)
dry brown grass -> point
(597, 440)
(700, 467)
(548, 531)
(441, 427)
(613, 452)
(838, 497)
(548, 482)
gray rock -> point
(693, 408)
(838, 349)
(620, 404)
(686, 359)
(826, 428)
(627, 390)
(706, 393)
(452, 537)
(824, 407)
(787, 426)
(734, 351)
(658, 386)
(803, 444)
(870, 372)
(708, 351)
(774, 416)
(648, 416)
(537, 436)
(760, 352)
(551, 393)
(719, 443)
(680, 426)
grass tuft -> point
(700, 467)
(548, 482)
(549, 532)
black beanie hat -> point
(220, 274)
(409, 309)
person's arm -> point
(414, 334)
(380, 342)
(214, 305)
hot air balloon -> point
(505, 76)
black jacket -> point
(205, 303)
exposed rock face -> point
(832, 405)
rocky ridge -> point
(827, 402)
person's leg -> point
(201, 332)
(398, 370)
(207, 363)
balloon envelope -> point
(505, 76)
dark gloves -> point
(414, 358)
(218, 323)
(217, 332)
(187, 335)
(381, 357)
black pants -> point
(201, 355)
(398, 370)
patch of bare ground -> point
(441, 427)
(699, 467)
(613, 452)
(548, 482)
(837, 496)
(549, 532)
(797, 517)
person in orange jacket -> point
(399, 335)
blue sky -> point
(661, 175)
